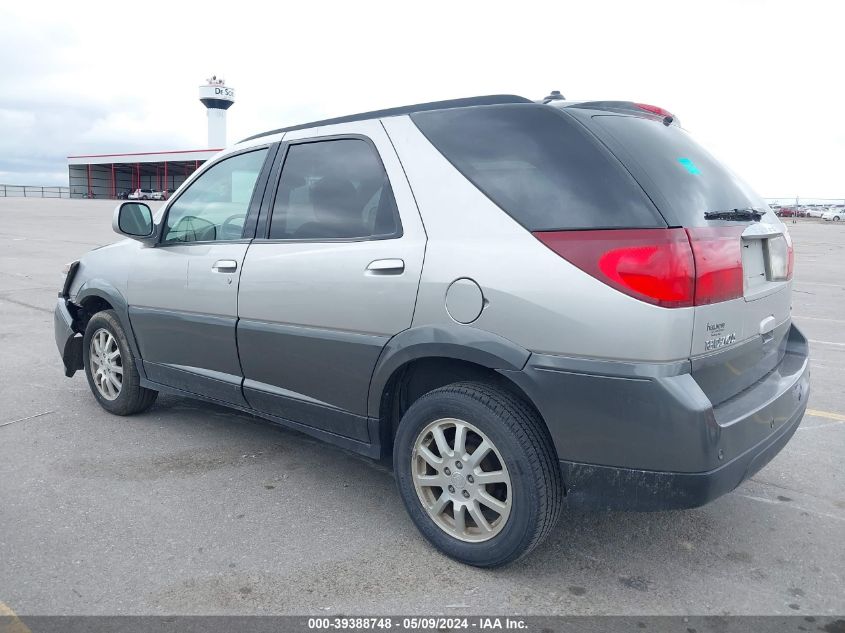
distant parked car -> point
(815, 213)
(157, 195)
(834, 216)
(141, 194)
(787, 212)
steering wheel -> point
(190, 228)
(224, 228)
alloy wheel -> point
(106, 364)
(461, 480)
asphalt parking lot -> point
(194, 509)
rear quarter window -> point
(539, 166)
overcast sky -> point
(758, 83)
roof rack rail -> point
(409, 109)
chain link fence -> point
(33, 191)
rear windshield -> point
(688, 181)
(539, 166)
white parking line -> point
(827, 343)
(29, 417)
(818, 426)
(789, 505)
(829, 364)
(809, 318)
(819, 283)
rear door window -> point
(540, 166)
(332, 190)
(688, 180)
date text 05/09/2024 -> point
(480, 623)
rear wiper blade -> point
(735, 214)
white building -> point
(110, 175)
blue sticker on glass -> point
(689, 165)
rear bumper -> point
(67, 340)
(646, 437)
(608, 488)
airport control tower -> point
(217, 98)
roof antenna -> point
(554, 96)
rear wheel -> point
(477, 473)
(110, 367)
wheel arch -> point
(97, 295)
(421, 359)
(96, 291)
(460, 343)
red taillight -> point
(718, 263)
(654, 265)
(655, 110)
(672, 268)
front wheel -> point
(477, 473)
(110, 367)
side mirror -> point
(134, 219)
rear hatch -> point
(743, 317)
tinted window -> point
(333, 190)
(690, 180)
(214, 207)
(539, 166)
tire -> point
(836, 218)
(522, 461)
(100, 360)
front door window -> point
(214, 207)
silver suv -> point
(526, 304)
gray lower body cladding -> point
(636, 436)
(322, 366)
(609, 488)
(186, 339)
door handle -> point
(386, 267)
(225, 266)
